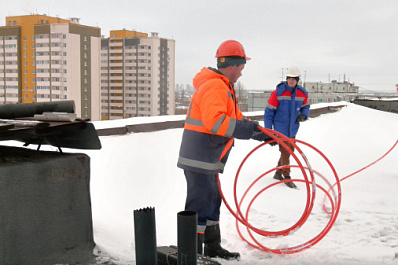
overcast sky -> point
(326, 39)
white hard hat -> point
(293, 72)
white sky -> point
(326, 39)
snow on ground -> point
(139, 170)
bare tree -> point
(241, 93)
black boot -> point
(278, 176)
(200, 243)
(213, 249)
(290, 184)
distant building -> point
(318, 92)
(183, 94)
(137, 75)
(333, 87)
(45, 58)
(379, 102)
(184, 87)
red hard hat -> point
(231, 48)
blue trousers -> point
(203, 197)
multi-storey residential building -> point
(137, 75)
(45, 58)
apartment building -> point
(45, 58)
(137, 75)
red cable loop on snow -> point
(358, 171)
(311, 187)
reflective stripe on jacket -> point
(284, 106)
(213, 120)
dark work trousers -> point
(203, 197)
(285, 159)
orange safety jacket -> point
(213, 120)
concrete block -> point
(45, 207)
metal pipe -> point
(187, 222)
(145, 236)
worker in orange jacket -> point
(213, 121)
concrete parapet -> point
(157, 126)
(45, 207)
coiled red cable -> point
(332, 193)
(311, 188)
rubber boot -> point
(290, 184)
(200, 243)
(213, 249)
(278, 176)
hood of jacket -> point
(206, 74)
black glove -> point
(259, 135)
(301, 118)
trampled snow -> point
(139, 170)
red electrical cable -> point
(358, 171)
(311, 187)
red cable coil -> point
(311, 187)
(335, 204)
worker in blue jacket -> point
(286, 108)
